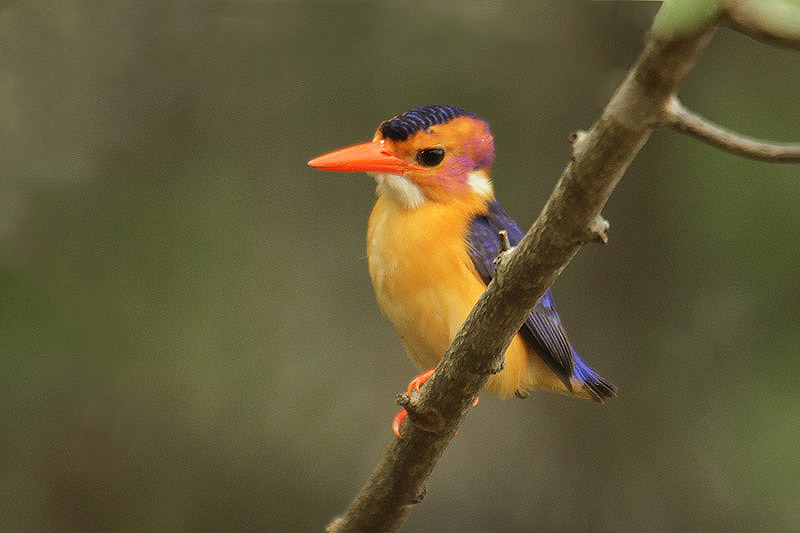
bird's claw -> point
(415, 384)
(397, 420)
(419, 381)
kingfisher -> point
(432, 238)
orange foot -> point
(415, 384)
(397, 420)
(419, 381)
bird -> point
(432, 239)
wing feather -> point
(543, 328)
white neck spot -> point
(400, 189)
(479, 182)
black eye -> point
(430, 157)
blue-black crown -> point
(402, 126)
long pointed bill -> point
(366, 157)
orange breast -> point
(426, 285)
(421, 272)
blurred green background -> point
(188, 335)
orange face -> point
(441, 157)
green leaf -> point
(678, 18)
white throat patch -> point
(400, 189)
(479, 182)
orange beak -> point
(366, 157)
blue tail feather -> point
(599, 387)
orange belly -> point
(426, 285)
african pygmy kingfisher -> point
(432, 238)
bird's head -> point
(434, 153)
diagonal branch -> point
(685, 121)
(600, 157)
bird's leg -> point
(415, 384)
(419, 381)
(397, 420)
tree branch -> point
(571, 215)
(685, 121)
(772, 21)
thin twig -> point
(775, 22)
(685, 121)
(505, 244)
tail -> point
(598, 388)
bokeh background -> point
(188, 335)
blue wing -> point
(543, 329)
